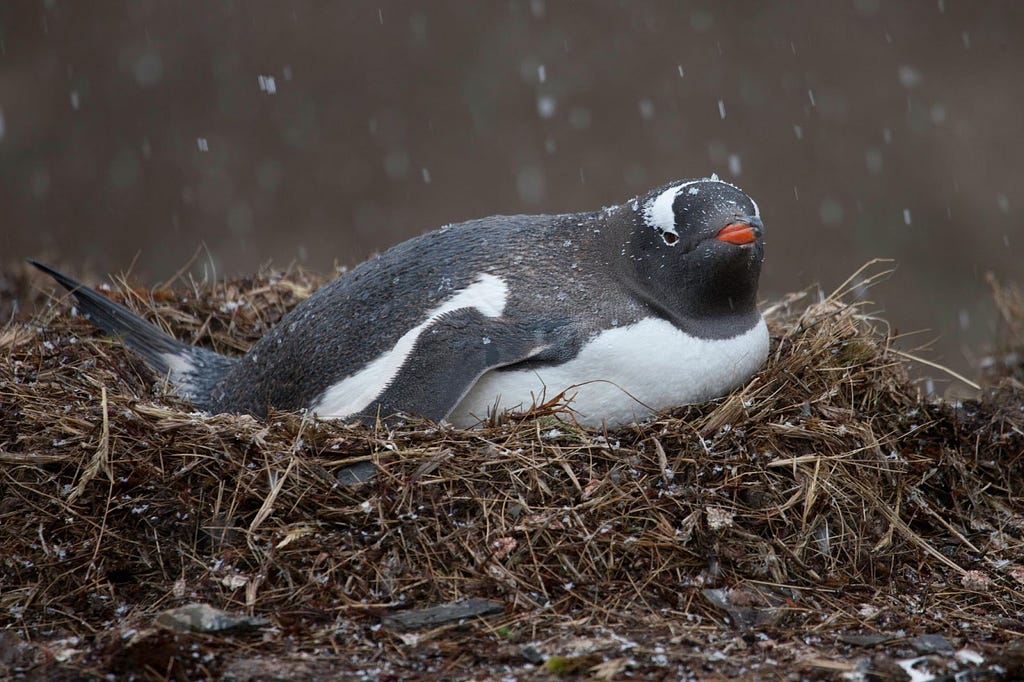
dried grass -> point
(826, 496)
(1006, 358)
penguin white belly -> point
(625, 374)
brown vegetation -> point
(825, 518)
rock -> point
(205, 618)
(931, 644)
(419, 619)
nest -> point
(826, 496)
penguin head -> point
(699, 244)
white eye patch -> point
(658, 212)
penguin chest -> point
(625, 374)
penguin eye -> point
(670, 237)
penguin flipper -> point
(451, 356)
(192, 370)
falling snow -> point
(546, 106)
(873, 160)
(831, 211)
(735, 166)
(267, 84)
(909, 76)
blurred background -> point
(134, 133)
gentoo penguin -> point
(630, 310)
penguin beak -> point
(738, 233)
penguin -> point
(624, 312)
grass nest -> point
(825, 501)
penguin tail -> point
(193, 371)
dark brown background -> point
(842, 119)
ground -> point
(825, 521)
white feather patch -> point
(658, 212)
(625, 374)
(488, 294)
(181, 371)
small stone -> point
(931, 644)
(205, 618)
(434, 616)
(866, 640)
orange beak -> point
(737, 233)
